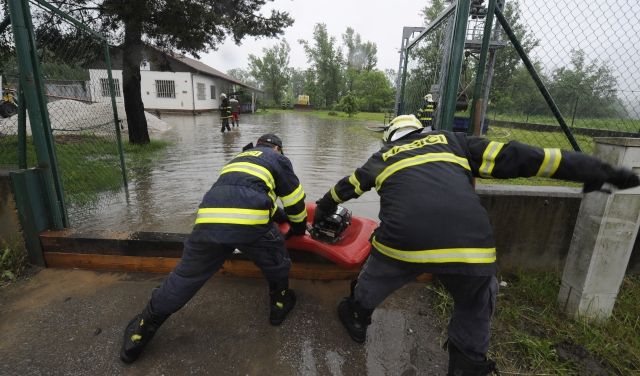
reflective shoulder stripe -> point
(251, 169)
(232, 216)
(464, 255)
(294, 197)
(489, 158)
(418, 160)
(550, 163)
(298, 217)
(334, 195)
(356, 184)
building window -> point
(213, 91)
(201, 93)
(165, 89)
(104, 86)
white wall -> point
(186, 90)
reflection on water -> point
(164, 198)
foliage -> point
(243, 76)
(373, 90)
(13, 261)
(588, 89)
(360, 56)
(272, 70)
(349, 104)
(532, 335)
(326, 66)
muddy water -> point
(165, 196)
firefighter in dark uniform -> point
(431, 220)
(425, 114)
(225, 112)
(236, 213)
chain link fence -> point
(80, 109)
(586, 54)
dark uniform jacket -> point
(240, 205)
(425, 114)
(430, 214)
(225, 108)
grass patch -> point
(89, 164)
(615, 124)
(532, 336)
(377, 117)
(13, 262)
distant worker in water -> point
(225, 112)
(426, 112)
(432, 221)
(235, 111)
(238, 212)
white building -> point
(171, 82)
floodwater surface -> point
(165, 196)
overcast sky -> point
(377, 21)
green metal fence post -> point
(116, 121)
(32, 86)
(536, 78)
(22, 131)
(450, 88)
(475, 116)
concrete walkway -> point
(70, 322)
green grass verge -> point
(377, 117)
(615, 124)
(88, 164)
(13, 262)
(532, 336)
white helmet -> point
(428, 98)
(223, 95)
(400, 126)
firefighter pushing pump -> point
(432, 221)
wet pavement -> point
(165, 196)
(70, 322)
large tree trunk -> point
(133, 106)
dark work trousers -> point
(200, 261)
(474, 300)
(225, 125)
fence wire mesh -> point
(586, 53)
(80, 111)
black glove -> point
(621, 177)
(296, 229)
(324, 208)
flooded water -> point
(165, 197)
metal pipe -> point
(536, 78)
(475, 123)
(22, 130)
(116, 120)
(450, 88)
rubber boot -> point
(139, 332)
(283, 299)
(461, 365)
(354, 317)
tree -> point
(349, 104)
(272, 70)
(507, 61)
(188, 26)
(327, 64)
(588, 89)
(360, 56)
(374, 91)
(243, 76)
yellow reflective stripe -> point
(298, 217)
(233, 216)
(334, 195)
(356, 184)
(550, 163)
(465, 255)
(294, 197)
(418, 160)
(489, 158)
(251, 169)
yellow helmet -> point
(400, 126)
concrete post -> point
(603, 239)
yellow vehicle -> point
(303, 100)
